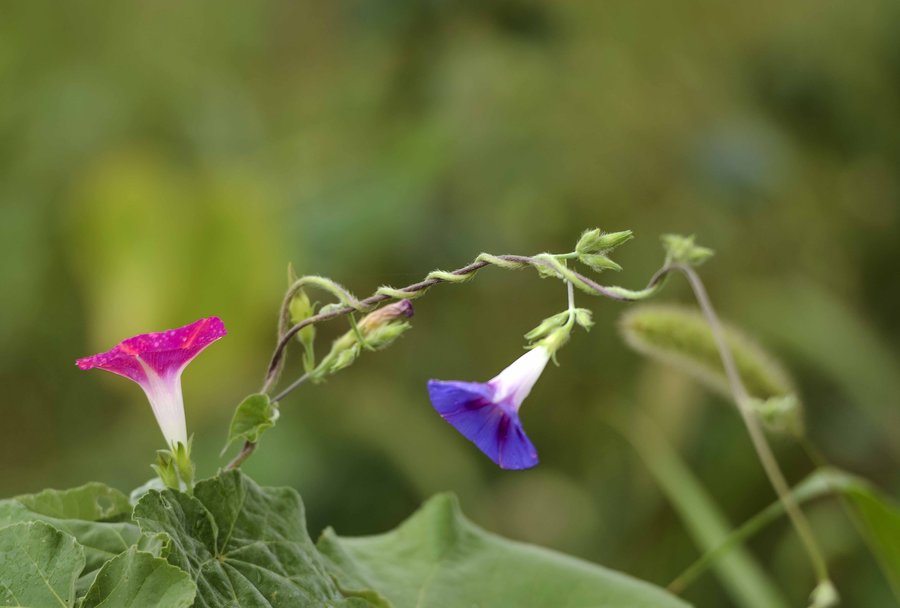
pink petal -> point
(166, 353)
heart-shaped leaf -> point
(242, 544)
(439, 559)
(38, 566)
(136, 579)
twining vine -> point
(682, 256)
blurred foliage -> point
(164, 161)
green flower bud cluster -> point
(583, 317)
(376, 331)
(682, 250)
(553, 332)
(594, 246)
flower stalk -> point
(296, 317)
(155, 361)
(745, 406)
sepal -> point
(166, 469)
(598, 262)
(300, 309)
(683, 250)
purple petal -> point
(165, 353)
(494, 427)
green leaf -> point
(438, 559)
(683, 250)
(253, 417)
(135, 579)
(38, 566)
(740, 574)
(90, 502)
(680, 337)
(81, 512)
(242, 544)
(876, 515)
(879, 517)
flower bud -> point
(378, 330)
(301, 309)
(781, 414)
(183, 464)
(383, 336)
(342, 358)
(375, 319)
(824, 596)
(585, 318)
(598, 262)
(683, 250)
(597, 241)
(547, 326)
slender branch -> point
(290, 388)
(757, 436)
(243, 455)
(549, 263)
(460, 274)
(249, 446)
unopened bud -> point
(301, 309)
(378, 329)
(597, 241)
(781, 414)
(342, 359)
(373, 320)
(683, 250)
(598, 262)
(384, 335)
(824, 596)
(547, 325)
(584, 318)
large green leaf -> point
(439, 559)
(38, 566)
(91, 502)
(244, 546)
(136, 579)
(80, 512)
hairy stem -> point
(754, 429)
(243, 455)
(547, 262)
(249, 446)
(291, 388)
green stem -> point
(466, 273)
(754, 429)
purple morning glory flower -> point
(487, 414)
(155, 361)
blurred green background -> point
(163, 161)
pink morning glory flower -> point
(155, 361)
(487, 414)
